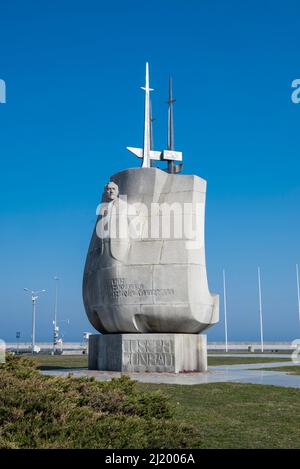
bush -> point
(38, 411)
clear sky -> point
(73, 70)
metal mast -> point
(151, 134)
(147, 153)
(171, 164)
(147, 139)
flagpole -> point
(225, 310)
(298, 291)
(260, 311)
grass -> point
(291, 370)
(60, 362)
(217, 361)
(237, 415)
(245, 352)
(50, 412)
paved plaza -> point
(248, 373)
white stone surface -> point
(146, 285)
(171, 353)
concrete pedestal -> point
(171, 353)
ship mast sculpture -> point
(147, 153)
(145, 285)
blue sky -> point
(73, 71)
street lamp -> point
(34, 297)
(55, 326)
(57, 343)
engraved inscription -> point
(149, 353)
(118, 287)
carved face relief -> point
(111, 191)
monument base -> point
(162, 353)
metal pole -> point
(56, 299)
(33, 323)
(152, 165)
(147, 89)
(55, 330)
(260, 311)
(225, 310)
(171, 164)
(34, 297)
(298, 291)
(18, 335)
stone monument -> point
(145, 284)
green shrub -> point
(39, 411)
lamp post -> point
(34, 297)
(55, 326)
